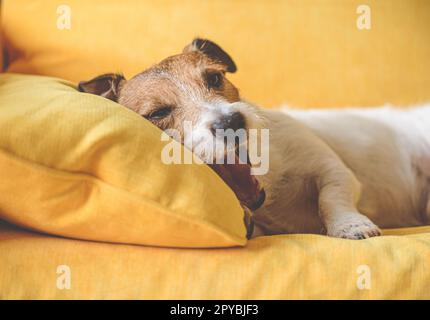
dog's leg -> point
(309, 156)
(339, 192)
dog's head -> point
(189, 87)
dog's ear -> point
(106, 85)
(213, 51)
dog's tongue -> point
(244, 185)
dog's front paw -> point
(353, 226)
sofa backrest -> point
(305, 53)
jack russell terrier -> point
(338, 172)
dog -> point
(343, 173)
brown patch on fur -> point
(178, 86)
(176, 90)
(179, 83)
(213, 51)
(107, 85)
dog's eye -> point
(214, 80)
(160, 113)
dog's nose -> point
(233, 121)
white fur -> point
(203, 142)
(343, 172)
(336, 171)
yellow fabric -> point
(306, 53)
(2, 62)
(279, 267)
(81, 166)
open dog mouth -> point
(239, 178)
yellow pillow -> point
(306, 53)
(81, 166)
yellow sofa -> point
(305, 53)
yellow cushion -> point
(79, 165)
(279, 267)
(307, 53)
